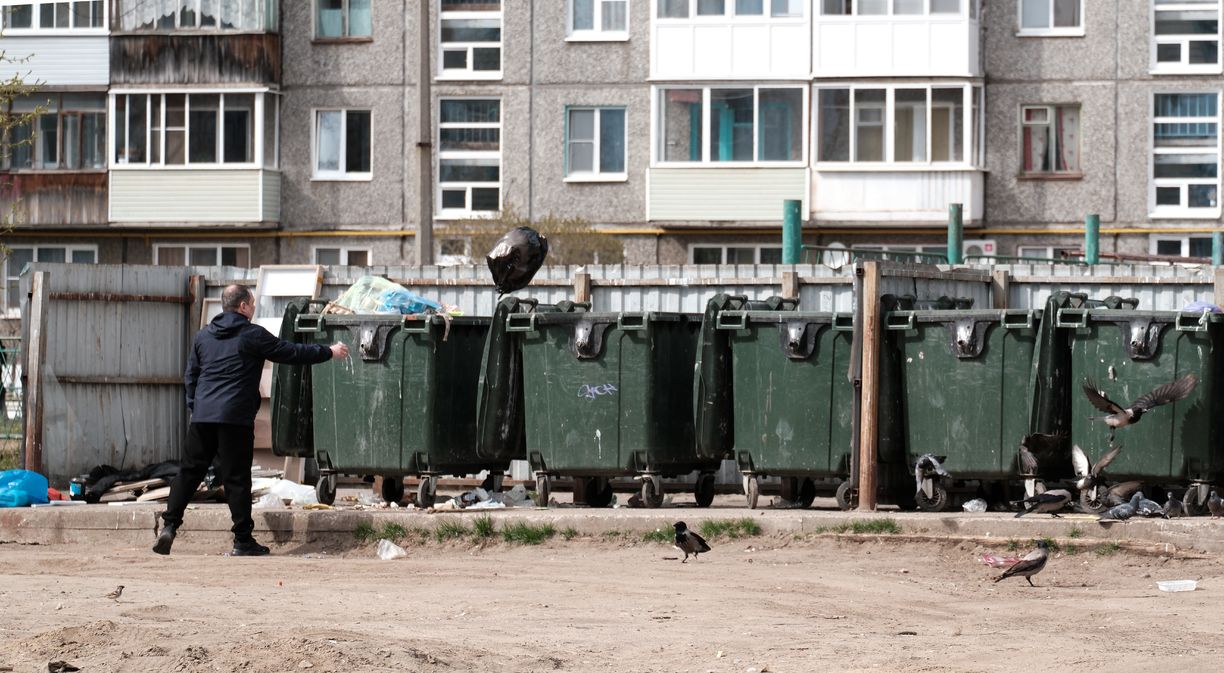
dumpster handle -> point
(632, 322)
(899, 320)
(1025, 322)
(1192, 322)
(732, 320)
(1071, 317)
(414, 325)
(843, 322)
(308, 323)
(521, 322)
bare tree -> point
(571, 240)
(15, 87)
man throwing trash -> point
(222, 381)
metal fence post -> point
(792, 237)
(1217, 248)
(1092, 239)
(956, 234)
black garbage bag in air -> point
(516, 258)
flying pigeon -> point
(1122, 512)
(1030, 565)
(1087, 478)
(1120, 417)
(689, 542)
(1120, 493)
(1215, 505)
(1049, 502)
(1173, 507)
(1149, 508)
(1033, 444)
(927, 462)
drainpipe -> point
(424, 237)
(956, 234)
(792, 236)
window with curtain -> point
(897, 124)
(746, 125)
(217, 15)
(1050, 139)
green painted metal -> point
(1217, 248)
(1128, 353)
(1092, 239)
(609, 394)
(956, 234)
(792, 231)
(292, 419)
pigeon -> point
(689, 542)
(1122, 512)
(1149, 508)
(1120, 417)
(1120, 493)
(1215, 505)
(1030, 445)
(1087, 478)
(1030, 565)
(927, 463)
(1049, 502)
(1173, 507)
(114, 595)
(1028, 462)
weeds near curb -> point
(525, 533)
(483, 528)
(883, 526)
(658, 535)
(451, 530)
(729, 528)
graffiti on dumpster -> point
(590, 392)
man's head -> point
(238, 299)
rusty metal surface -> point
(120, 297)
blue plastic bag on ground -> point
(22, 488)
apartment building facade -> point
(251, 131)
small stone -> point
(904, 571)
(720, 654)
(305, 664)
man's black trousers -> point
(233, 447)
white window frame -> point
(1182, 210)
(264, 21)
(314, 25)
(342, 175)
(729, 13)
(596, 175)
(188, 245)
(11, 274)
(257, 122)
(467, 212)
(1050, 31)
(468, 73)
(36, 21)
(344, 253)
(723, 247)
(656, 133)
(1184, 239)
(890, 15)
(1184, 66)
(973, 153)
(596, 34)
(1051, 109)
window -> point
(1051, 17)
(599, 19)
(1041, 252)
(1185, 155)
(746, 125)
(1050, 139)
(595, 144)
(201, 254)
(469, 156)
(71, 16)
(19, 256)
(471, 36)
(342, 145)
(778, 9)
(211, 15)
(735, 254)
(342, 256)
(68, 134)
(886, 7)
(927, 124)
(453, 251)
(338, 19)
(185, 129)
(1185, 36)
(1182, 246)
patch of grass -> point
(730, 528)
(1013, 545)
(483, 528)
(1075, 533)
(1053, 544)
(1071, 550)
(821, 530)
(612, 534)
(525, 533)
(451, 530)
(1108, 549)
(364, 532)
(658, 535)
(393, 531)
(569, 533)
(883, 526)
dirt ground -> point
(757, 604)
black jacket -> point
(225, 364)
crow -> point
(689, 542)
(1173, 507)
(1049, 502)
(1122, 512)
(1120, 417)
(1087, 478)
(1030, 565)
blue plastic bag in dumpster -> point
(399, 300)
(22, 488)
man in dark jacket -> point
(222, 380)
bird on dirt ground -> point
(689, 542)
(1032, 563)
(1122, 512)
(114, 595)
(1089, 477)
(1149, 508)
(1120, 417)
(1215, 505)
(1173, 507)
(1049, 502)
(928, 465)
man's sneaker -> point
(249, 548)
(165, 540)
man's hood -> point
(228, 324)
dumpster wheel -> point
(652, 490)
(543, 487)
(847, 496)
(427, 490)
(392, 489)
(936, 503)
(752, 490)
(704, 489)
(1091, 500)
(325, 488)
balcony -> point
(762, 40)
(934, 38)
(896, 198)
(164, 197)
(54, 198)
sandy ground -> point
(776, 604)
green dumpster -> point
(1128, 353)
(292, 427)
(965, 385)
(793, 415)
(609, 395)
(403, 403)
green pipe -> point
(956, 234)
(792, 235)
(1217, 248)
(1092, 239)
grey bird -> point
(1032, 563)
(114, 595)
(1173, 507)
(1031, 445)
(1120, 417)
(1120, 493)
(1049, 502)
(1122, 512)
(1149, 508)
(1087, 477)
(1215, 505)
(689, 542)
(927, 467)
